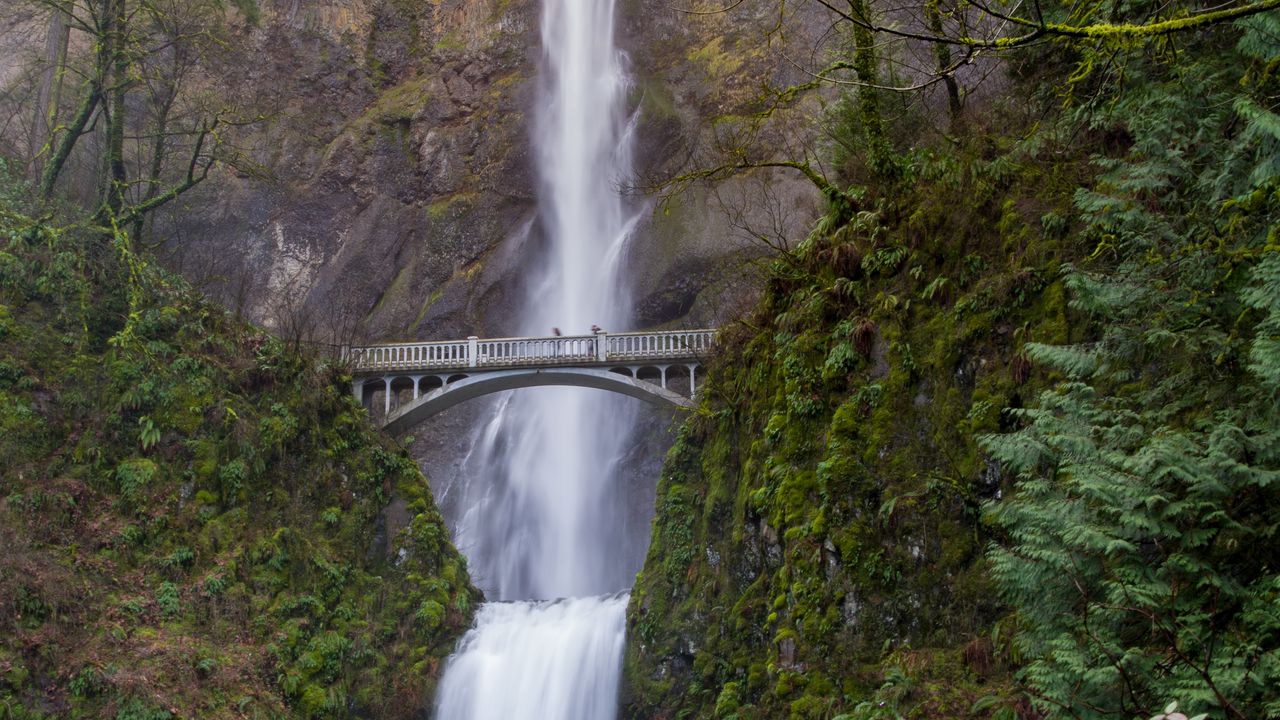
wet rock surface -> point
(398, 188)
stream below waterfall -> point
(543, 520)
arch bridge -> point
(418, 380)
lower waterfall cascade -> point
(535, 660)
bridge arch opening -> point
(402, 391)
(685, 379)
(653, 374)
(625, 371)
(372, 392)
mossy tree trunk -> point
(100, 22)
(162, 106)
(866, 65)
(76, 128)
(45, 113)
(115, 182)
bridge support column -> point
(693, 380)
(386, 397)
(663, 369)
(357, 389)
(417, 379)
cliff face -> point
(401, 189)
(397, 157)
(818, 546)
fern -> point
(1141, 529)
(1263, 295)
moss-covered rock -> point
(818, 547)
(192, 513)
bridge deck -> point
(674, 346)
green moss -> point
(835, 478)
(451, 206)
(391, 111)
(449, 42)
(191, 502)
(432, 299)
(657, 104)
(718, 62)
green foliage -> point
(1101, 243)
(1140, 533)
(133, 476)
(187, 501)
(167, 599)
(87, 683)
(822, 511)
(231, 479)
(884, 260)
(135, 709)
(148, 433)
(430, 614)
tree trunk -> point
(89, 103)
(159, 149)
(45, 113)
(867, 67)
(942, 56)
(115, 184)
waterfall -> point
(534, 661)
(543, 519)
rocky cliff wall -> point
(397, 161)
(400, 196)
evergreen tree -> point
(1143, 533)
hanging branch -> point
(1038, 29)
(197, 170)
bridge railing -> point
(673, 345)
(519, 351)
(644, 346)
(409, 355)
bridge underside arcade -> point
(388, 397)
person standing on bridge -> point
(596, 330)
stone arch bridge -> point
(418, 380)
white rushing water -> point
(545, 516)
(533, 661)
